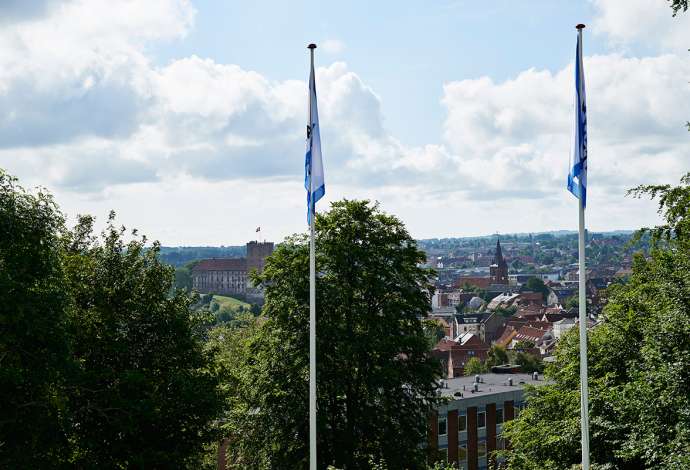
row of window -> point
(462, 421)
(481, 452)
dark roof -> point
(490, 384)
(221, 264)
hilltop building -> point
(230, 276)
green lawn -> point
(234, 304)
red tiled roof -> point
(506, 337)
(527, 333)
(221, 264)
(531, 296)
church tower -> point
(499, 268)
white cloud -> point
(649, 22)
(516, 134)
(89, 114)
(333, 46)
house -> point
(454, 354)
(503, 301)
(562, 326)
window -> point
(481, 419)
(481, 450)
(462, 423)
(500, 443)
(499, 415)
(462, 453)
(442, 427)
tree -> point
(474, 366)
(142, 395)
(528, 362)
(523, 345)
(677, 5)
(497, 355)
(434, 331)
(376, 381)
(33, 344)
(639, 364)
(506, 311)
(537, 285)
(572, 302)
(183, 276)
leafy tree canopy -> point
(33, 345)
(376, 380)
(100, 365)
(639, 365)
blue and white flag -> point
(313, 165)
(577, 178)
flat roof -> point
(489, 384)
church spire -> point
(498, 256)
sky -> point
(188, 117)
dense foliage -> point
(639, 365)
(101, 366)
(179, 256)
(376, 382)
(142, 381)
(33, 346)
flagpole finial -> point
(580, 26)
(311, 46)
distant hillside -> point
(181, 255)
(523, 235)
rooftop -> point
(490, 383)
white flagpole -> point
(584, 386)
(312, 309)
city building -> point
(467, 429)
(498, 270)
(454, 353)
(229, 276)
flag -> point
(313, 166)
(577, 178)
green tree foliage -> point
(523, 345)
(537, 285)
(528, 362)
(142, 395)
(572, 302)
(474, 366)
(506, 311)
(677, 5)
(639, 365)
(33, 347)
(497, 356)
(376, 382)
(183, 276)
(100, 366)
(434, 331)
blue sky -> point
(399, 48)
(187, 116)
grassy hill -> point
(229, 302)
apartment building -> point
(467, 430)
